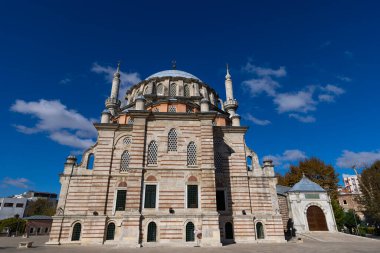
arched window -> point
(173, 90)
(90, 161)
(75, 236)
(152, 152)
(152, 232)
(260, 230)
(190, 232)
(110, 231)
(249, 163)
(172, 140)
(229, 230)
(191, 154)
(186, 90)
(160, 89)
(130, 121)
(125, 159)
(146, 90)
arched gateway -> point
(316, 219)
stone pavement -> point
(308, 246)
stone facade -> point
(170, 169)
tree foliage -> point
(370, 187)
(351, 220)
(317, 171)
(13, 224)
(40, 207)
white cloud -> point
(260, 71)
(259, 85)
(333, 89)
(290, 155)
(344, 78)
(15, 182)
(63, 125)
(127, 79)
(303, 119)
(348, 159)
(301, 101)
(65, 81)
(260, 122)
(348, 54)
(326, 98)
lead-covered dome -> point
(173, 72)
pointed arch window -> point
(173, 90)
(110, 231)
(186, 90)
(191, 154)
(172, 140)
(152, 232)
(160, 89)
(90, 161)
(75, 236)
(260, 230)
(152, 152)
(190, 232)
(125, 159)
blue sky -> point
(305, 74)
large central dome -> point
(173, 72)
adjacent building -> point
(10, 207)
(168, 168)
(308, 205)
(351, 183)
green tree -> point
(370, 187)
(13, 224)
(338, 213)
(351, 220)
(40, 207)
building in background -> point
(168, 168)
(10, 207)
(38, 225)
(351, 183)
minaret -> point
(231, 105)
(113, 103)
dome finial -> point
(174, 64)
(228, 76)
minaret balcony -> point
(111, 102)
(230, 104)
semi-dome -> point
(173, 72)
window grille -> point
(120, 200)
(189, 110)
(186, 91)
(152, 232)
(218, 161)
(110, 231)
(172, 108)
(76, 232)
(156, 109)
(172, 140)
(160, 89)
(127, 140)
(172, 90)
(191, 154)
(229, 231)
(125, 159)
(150, 196)
(220, 200)
(192, 196)
(130, 121)
(190, 232)
(152, 152)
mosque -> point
(169, 167)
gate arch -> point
(316, 219)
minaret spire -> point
(113, 103)
(230, 105)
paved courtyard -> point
(310, 245)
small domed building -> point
(169, 167)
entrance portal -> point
(316, 219)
